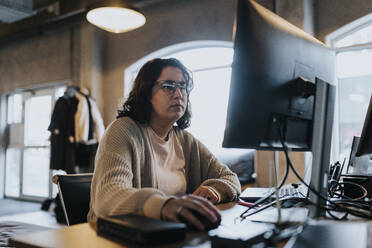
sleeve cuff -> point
(216, 192)
(153, 206)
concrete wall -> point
(333, 14)
(88, 66)
(38, 59)
(65, 54)
(299, 13)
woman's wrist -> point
(165, 203)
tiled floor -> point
(41, 218)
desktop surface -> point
(340, 235)
(83, 235)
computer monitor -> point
(273, 75)
(365, 142)
(280, 74)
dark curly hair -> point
(138, 105)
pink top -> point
(169, 161)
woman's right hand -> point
(179, 208)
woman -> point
(145, 165)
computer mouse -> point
(208, 225)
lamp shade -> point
(115, 17)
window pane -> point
(360, 36)
(38, 114)
(10, 109)
(14, 108)
(206, 57)
(17, 108)
(12, 180)
(355, 88)
(354, 95)
(209, 100)
(354, 63)
(36, 172)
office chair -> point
(74, 193)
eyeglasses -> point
(170, 86)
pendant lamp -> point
(115, 16)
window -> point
(27, 173)
(358, 32)
(354, 79)
(14, 108)
(210, 63)
(37, 117)
(12, 172)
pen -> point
(246, 204)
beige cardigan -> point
(124, 179)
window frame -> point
(347, 30)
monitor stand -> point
(321, 144)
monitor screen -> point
(273, 78)
(365, 143)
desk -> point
(82, 235)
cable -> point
(292, 167)
(364, 190)
(347, 207)
(344, 217)
(288, 165)
(263, 199)
(353, 204)
(269, 205)
(337, 207)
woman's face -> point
(169, 102)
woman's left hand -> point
(208, 193)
